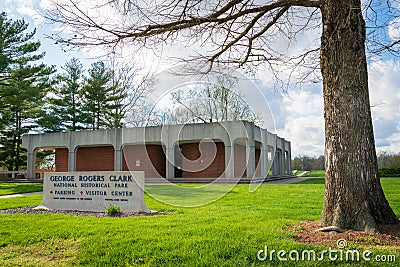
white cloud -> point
(393, 144)
(45, 4)
(306, 135)
(301, 114)
(384, 84)
(304, 103)
(394, 29)
(32, 13)
(26, 8)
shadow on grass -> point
(17, 188)
(188, 195)
(313, 181)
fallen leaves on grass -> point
(388, 240)
(50, 252)
(31, 210)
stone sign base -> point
(94, 191)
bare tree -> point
(134, 88)
(140, 106)
(387, 159)
(219, 101)
(251, 33)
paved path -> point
(20, 195)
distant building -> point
(209, 150)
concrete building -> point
(209, 150)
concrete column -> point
(269, 159)
(229, 161)
(287, 160)
(117, 150)
(287, 163)
(250, 155)
(117, 160)
(290, 157)
(170, 164)
(264, 153)
(275, 164)
(72, 160)
(264, 161)
(71, 153)
(274, 154)
(30, 170)
(282, 171)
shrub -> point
(393, 171)
(113, 211)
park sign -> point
(94, 191)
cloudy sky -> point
(298, 114)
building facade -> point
(209, 150)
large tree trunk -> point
(354, 198)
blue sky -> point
(298, 114)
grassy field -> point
(318, 173)
(227, 232)
(16, 188)
(313, 181)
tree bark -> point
(354, 198)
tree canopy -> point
(23, 87)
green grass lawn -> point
(313, 181)
(318, 173)
(16, 188)
(227, 232)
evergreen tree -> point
(22, 89)
(65, 103)
(99, 96)
(117, 103)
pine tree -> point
(117, 107)
(23, 87)
(99, 96)
(65, 104)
